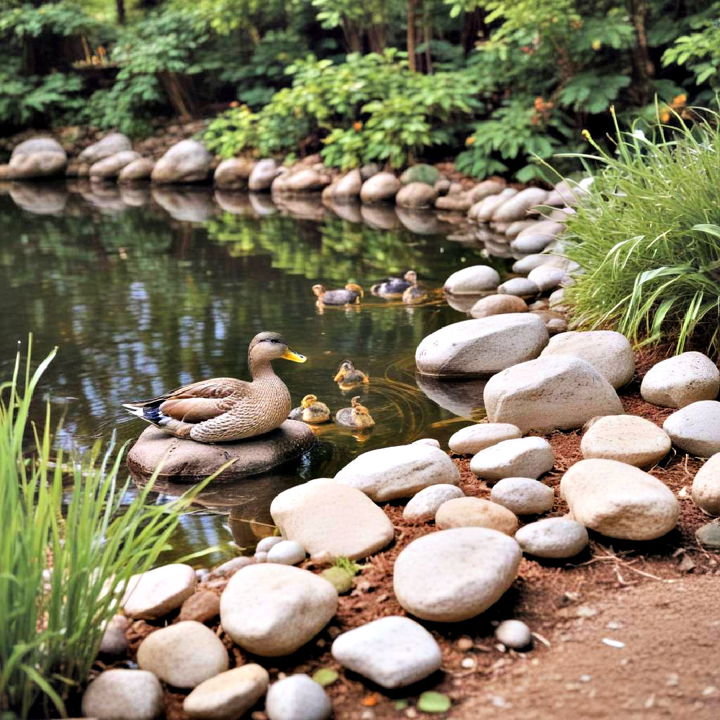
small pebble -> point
(268, 542)
(613, 643)
(287, 552)
(468, 663)
(464, 644)
(513, 634)
(232, 566)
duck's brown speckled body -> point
(226, 409)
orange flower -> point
(357, 126)
(470, 140)
(234, 103)
(665, 117)
(679, 100)
(370, 700)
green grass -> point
(66, 542)
(648, 236)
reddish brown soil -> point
(659, 598)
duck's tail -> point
(150, 413)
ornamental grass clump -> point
(648, 235)
(69, 542)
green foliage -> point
(59, 18)
(65, 559)
(647, 236)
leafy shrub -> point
(647, 236)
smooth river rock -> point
(554, 392)
(155, 593)
(619, 500)
(522, 457)
(696, 428)
(553, 538)
(110, 167)
(519, 287)
(286, 552)
(483, 210)
(297, 697)
(470, 567)
(140, 169)
(424, 505)
(233, 173)
(517, 207)
(547, 277)
(513, 634)
(331, 520)
(393, 651)
(105, 147)
(498, 305)
(472, 280)
(474, 438)
(184, 654)
(122, 694)
(185, 162)
(627, 438)
(476, 348)
(380, 187)
(188, 460)
(272, 610)
(681, 380)
(263, 174)
(475, 512)
(35, 158)
(706, 486)
(416, 195)
(228, 695)
(609, 352)
(523, 495)
(399, 472)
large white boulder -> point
(474, 438)
(453, 575)
(109, 145)
(552, 392)
(696, 428)
(472, 280)
(609, 352)
(681, 380)
(475, 348)
(706, 486)
(521, 457)
(185, 162)
(619, 500)
(399, 472)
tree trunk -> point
(643, 68)
(472, 28)
(120, 7)
(411, 21)
(376, 38)
(427, 38)
(178, 94)
(353, 41)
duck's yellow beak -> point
(293, 356)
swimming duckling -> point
(348, 376)
(352, 293)
(394, 287)
(357, 416)
(226, 409)
(415, 294)
(311, 411)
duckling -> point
(414, 294)
(226, 409)
(357, 416)
(311, 411)
(348, 376)
(352, 293)
(394, 287)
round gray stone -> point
(557, 537)
(297, 697)
(514, 634)
(696, 428)
(523, 496)
(122, 694)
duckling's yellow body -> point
(226, 409)
(348, 376)
(357, 416)
(311, 411)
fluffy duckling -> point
(414, 294)
(348, 376)
(394, 287)
(311, 411)
(352, 293)
(226, 409)
(357, 416)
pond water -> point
(144, 290)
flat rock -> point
(696, 428)
(476, 348)
(105, 147)
(470, 568)
(122, 694)
(619, 500)
(185, 162)
(681, 380)
(520, 287)
(547, 277)
(706, 486)
(424, 505)
(393, 651)
(525, 265)
(483, 210)
(331, 520)
(475, 512)
(709, 535)
(110, 167)
(609, 352)
(627, 438)
(200, 606)
(522, 495)
(399, 472)
(472, 280)
(187, 460)
(155, 593)
(486, 188)
(262, 175)
(184, 654)
(553, 538)
(297, 697)
(530, 244)
(522, 457)
(474, 438)
(229, 695)
(553, 392)
(273, 610)
(382, 186)
(498, 305)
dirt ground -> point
(660, 600)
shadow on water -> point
(144, 289)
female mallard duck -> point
(311, 411)
(226, 409)
(348, 376)
(352, 293)
(357, 416)
(394, 287)
(414, 294)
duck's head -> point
(271, 346)
(355, 402)
(346, 367)
(411, 276)
(318, 290)
(307, 401)
(354, 287)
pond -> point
(144, 290)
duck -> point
(348, 376)
(311, 411)
(414, 294)
(226, 409)
(357, 416)
(351, 293)
(394, 287)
